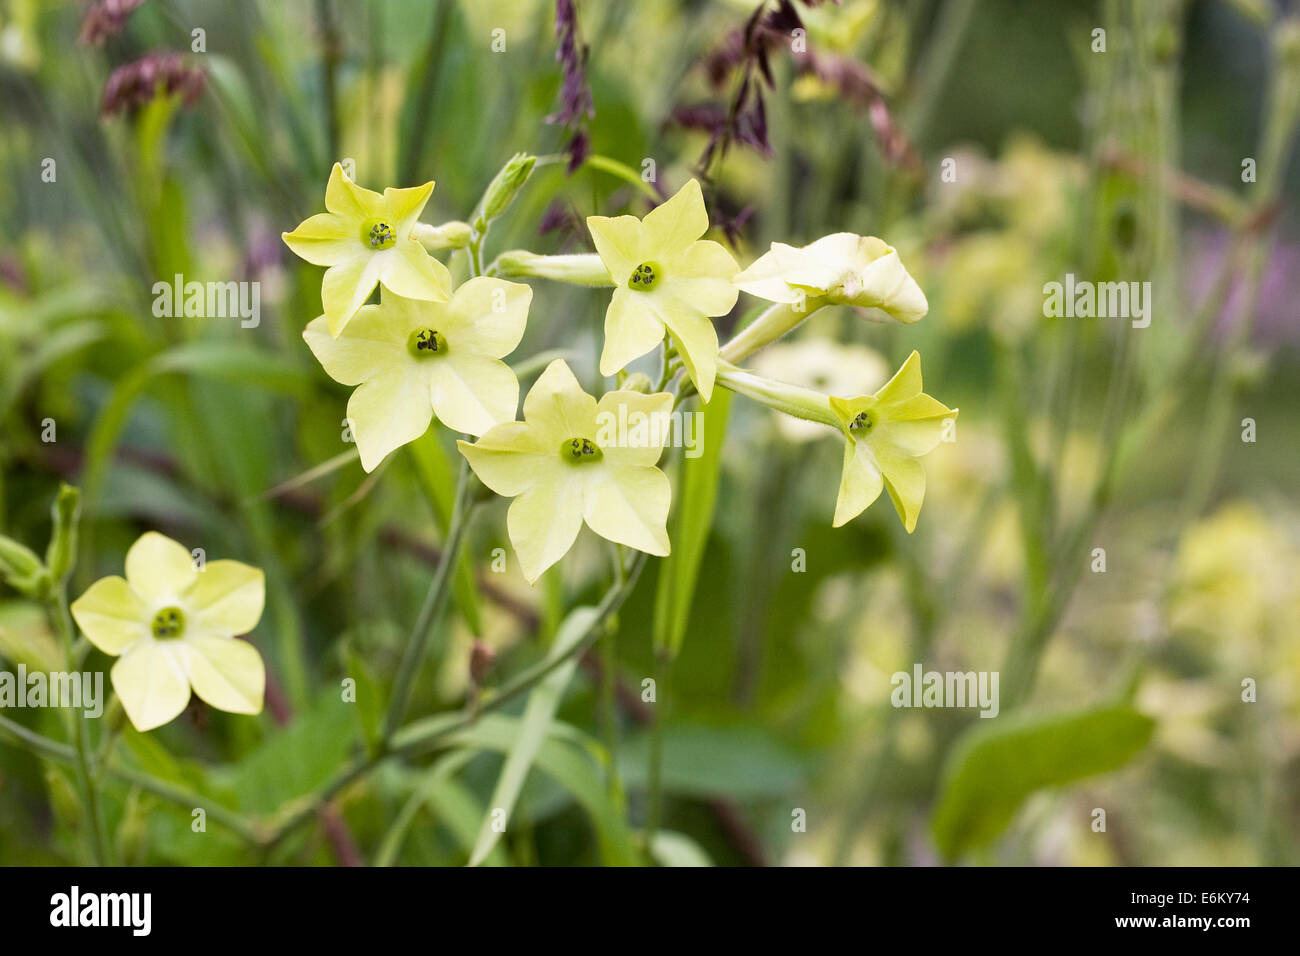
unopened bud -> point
(450, 235)
(503, 189)
(637, 382)
(21, 569)
(62, 550)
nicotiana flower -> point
(825, 365)
(886, 433)
(173, 627)
(574, 459)
(365, 239)
(665, 276)
(413, 359)
(842, 268)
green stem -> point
(58, 609)
(654, 776)
(434, 603)
(428, 733)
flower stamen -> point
(645, 277)
(168, 623)
(378, 234)
(425, 343)
(580, 450)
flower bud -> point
(21, 569)
(62, 550)
(637, 382)
(450, 235)
(507, 183)
(581, 269)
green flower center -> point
(862, 422)
(378, 234)
(644, 277)
(580, 450)
(168, 623)
(425, 343)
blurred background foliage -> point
(1074, 434)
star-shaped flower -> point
(886, 433)
(365, 239)
(843, 268)
(573, 459)
(665, 276)
(173, 627)
(413, 359)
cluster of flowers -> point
(427, 351)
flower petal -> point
(159, 569)
(905, 481)
(631, 330)
(703, 277)
(386, 413)
(471, 393)
(323, 239)
(860, 484)
(346, 287)
(544, 521)
(226, 672)
(905, 384)
(697, 343)
(630, 506)
(558, 408)
(672, 226)
(781, 274)
(111, 615)
(227, 598)
(631, 427)
(345, 198)
(410, 271)
(152, 684)
(508, 458)
(618, 243)
(405, 205)
(372, 344)
(490, 315)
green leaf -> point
(215, 360)
(561, 759)
(694, 518)
(992, 769)
(703, 761)
(677, 849)
(533, 728)
(297, 760)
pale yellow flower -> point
(366, 239)
(414, 359)
(573, 460)
(843, 269)
(886, 433)
(665, 276)
(172, 627)
(822, 364)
